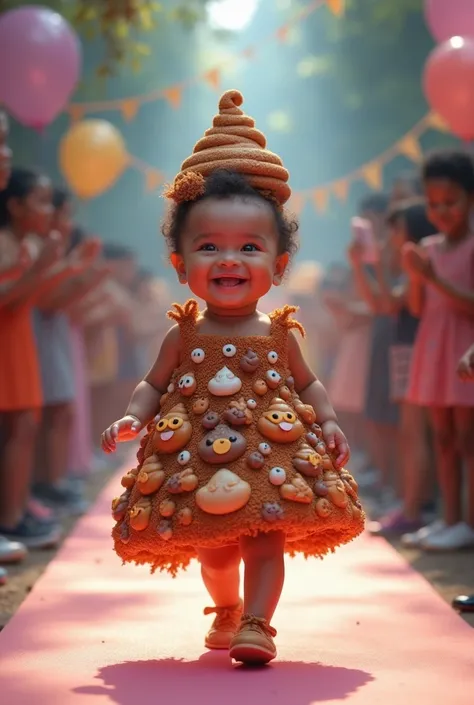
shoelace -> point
(225, 616)
(258, 624)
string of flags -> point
(371, 173)
(130, 106)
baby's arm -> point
(312, 392)
(145, 401)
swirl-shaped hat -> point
(232, 143)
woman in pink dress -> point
(441, 272)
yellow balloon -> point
(92, 156)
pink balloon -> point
(450, 18)
(40, 59)
(449, 84)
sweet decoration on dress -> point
(265, 448)
(297, 490)
(129, 479)
(255, 461)
(252, 404)
(120, 506)
(306, 412)
(323, 508)
(198, 355)
(290, 382)
(272, 379)
(350, 484)
(307, 461)
(163, 399)
(222, 445)
(285, 393)
(317, 430)
(184, 457)
(187, 384)
(200, 406)
(170, 388)
(312, 439)
(164, 529)
(280, 424)
(124, 532)
(210, 420)
(224, 384)
(277, 476)
(238, 413)
(320, 489)
(336, 490)
(173, 431)
(235, 144)
(272, 357)
(225, 493)
(184, 517)
(321, 448)
(167, 508)
(229, 350)
(260, 387)
(184, 481)
(249, 362)
(140, 514)
(272, 512)
(151, 476)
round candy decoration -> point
(277, 476)
(273, 379)
(265, 448)
(229, 350)
(198, 355)
(272, 357)
(184, 457)
(251, 403)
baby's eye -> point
(250, 247)
(208, 247)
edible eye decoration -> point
(277, 476)
(264, 449)
(186, 382)
(272, 357)
(229, 350)
(198, 355)
(184, 457)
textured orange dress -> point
(235, 452)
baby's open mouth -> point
(229, 282)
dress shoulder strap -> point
(185, 315)
(282, 320)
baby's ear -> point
(178, 263)
(280, 267)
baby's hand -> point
(125, 429)
(466, 365)
(336, 441)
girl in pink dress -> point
(441, 271)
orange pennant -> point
(129, 108)
(282, 33)
(436, 121)
(337, 7)
(410, 148)
(173, 96)
(341, 189)
(213, 78)
(372, 174)
(297, 203)
(320, 199)
(153, 179)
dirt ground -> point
(449, 574)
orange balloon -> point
(92, 156)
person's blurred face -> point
(124, 271)
(62, 221)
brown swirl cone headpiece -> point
(234, 144)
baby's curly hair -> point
(223, 184)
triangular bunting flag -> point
(341, 189)
(320, 199)
(153, 179)
(213, 78)
(296, 203)
(76, 112)
(337, 7)
(173, 96)
(282, 33)
(129, 108)
(436, 121)
(410, 147)
(372, 174)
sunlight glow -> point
(231, 15)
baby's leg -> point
(263, 556)
(220, 573)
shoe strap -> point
(258, 624)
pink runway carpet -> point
(358, 627)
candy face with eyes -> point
(222, 445)
(187, 385)
(280, 424)
(172, 431)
